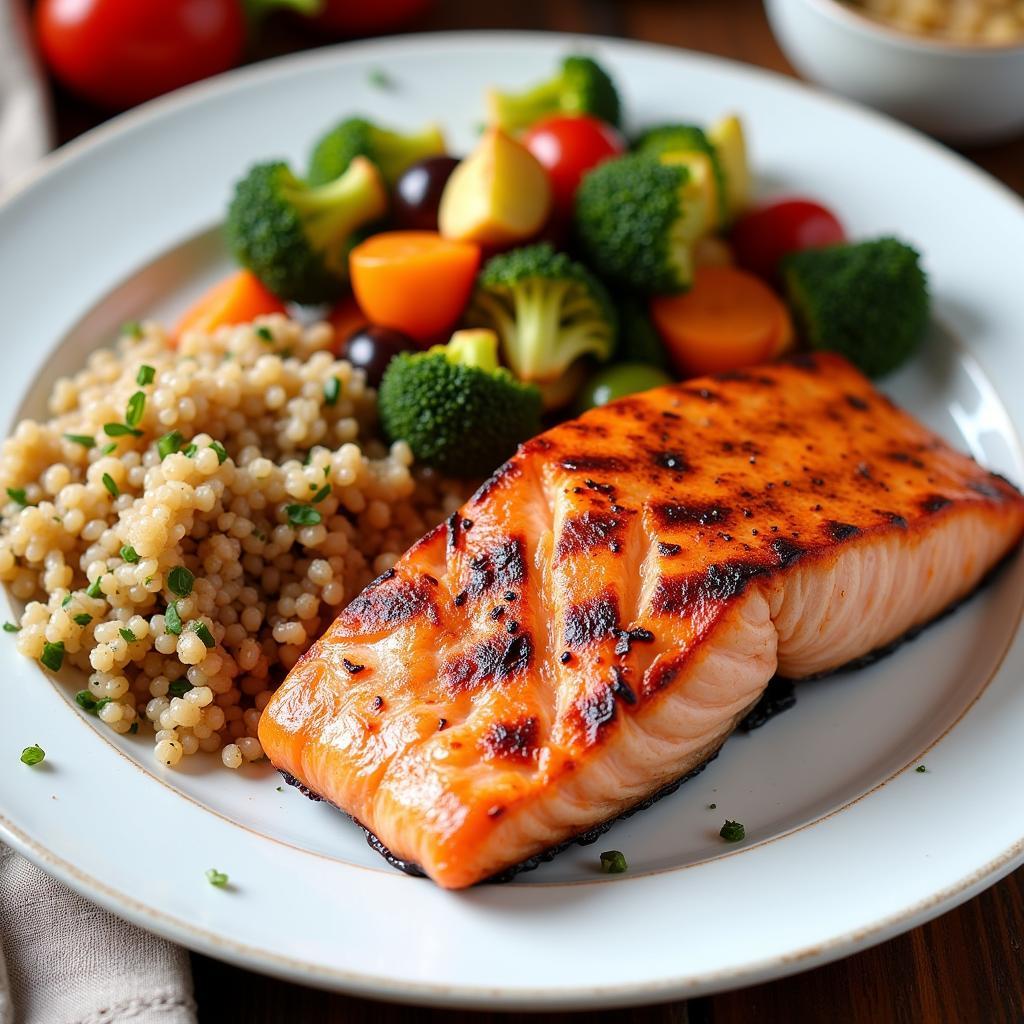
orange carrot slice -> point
(728, 319)
(237, 299)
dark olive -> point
(418, 193)
(371, 348)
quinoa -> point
(187, 547)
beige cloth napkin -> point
(63, 960)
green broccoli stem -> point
(394, 152)
(257, 10)
(332, 212)
(475, 348)
(516, 112)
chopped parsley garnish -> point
(202, 631)
(10, 627)
(217, 878)
(321, 494)
(921, 768)
(102, 703)
(169, 444)
(32, 755)
(190, 450)
(83, 619)
(265, 334)
(732, 832)
(129, 554)
(86, 701)
(332, 389)
(222, 454)
(303, 515)
(172, 620)
(136, 407)
(108, 482)
(120, 430)
(94, 589)
(66, 601)
(108, 448)
(380, 79)
(128, 636)
(132, 328)
(83, 439)
(53, 655)
(17, 494)
(180, 580)
(145, 375)
(179, 687)
(133, 728)
(613, 862)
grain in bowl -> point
(191, 516)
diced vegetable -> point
(867, 301)
(372, 349)
(296, 238)
(762, 237)
(237, 299)
(619, 380)
(637, 222)
(580, 86)
(414, 281)
(458, 410)
(498, 196)
(549, 312)
(729, 319)
(685, 139)
(418, 193)
(392, 152)
(730, 144)
(569, 146)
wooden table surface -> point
(966, 966)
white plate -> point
(846, 845)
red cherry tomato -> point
(763, 236)
(121, 52)
(567, 147)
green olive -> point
(617, 381)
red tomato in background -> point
(357, 17)
(121, 52)
(762, 237)
(567, 147)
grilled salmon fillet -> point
(601, 614)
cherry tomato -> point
(418, 193)
(567, 147)
(762, 237)
(121, 52)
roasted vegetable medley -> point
(555, 267)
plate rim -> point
(383, 986)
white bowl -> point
(962, 93)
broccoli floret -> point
(391, 151)
(635, 225)
(867, 301)
(296, 238)
(581, 86)
(457, 409)
(639, 341)
(547, 309)
(686, 138)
